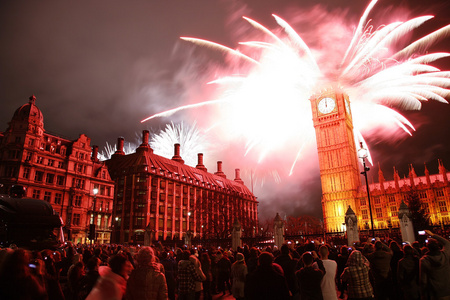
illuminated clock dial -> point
(326, 105)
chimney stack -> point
(200, 164)
(177, 156)
(219, 170)
(238, 176)
(145, 145)
(94, 153)
(120, 142)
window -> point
(394, 211)
(60, 164)
(40, 160)
(153, 208)
(50, 178)
(50, 162)
(26, 173)
(379, 212)
(76, 219)
(439, 193)
(29, 156)
(36, 194)
(442, 206)
(60, 180)
(363, 202)
(422, 195)
(79, 168)
(77, 201)
(426, 207)
(18, 139)
(391, 198)
(47, 196)
(376, 200)
(58, 198)
(38, 176)
(30, 142)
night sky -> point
(99, 67)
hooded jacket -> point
(435, 271)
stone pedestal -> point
(406, 225)
(236, 235)
(351, 224)
(278, 229)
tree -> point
(419, 216)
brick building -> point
(63, 172)
(167, 198)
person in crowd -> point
(380, 265)
(90, 279)
(113, 279)
(252, 262)
(187, 276)
(265, 283)
(408, 274)
(205, 261)
(74, 279)
(356, 275)
(310, 278)
(170, 272)
(223, 273)
(238, 274)
(341, 263)
(198, 283)
(435, 269)
(52, 284)
(288, 264)
(17, 280)
(146, 281)
(328, 284)
(397, 254)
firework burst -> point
(267, 106)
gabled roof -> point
(171, 169)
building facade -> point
(63, 172)
(341, 175)
(166, 199)
(386, 197)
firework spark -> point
(268, 107)
(189, 137)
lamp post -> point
(92, 233)
(363, 154)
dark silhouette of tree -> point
(419, 216)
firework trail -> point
(268, 107)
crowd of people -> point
(370, 270)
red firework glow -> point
(266, 104)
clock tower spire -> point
(338, 163)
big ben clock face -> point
(326, 105)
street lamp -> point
(92, 233)
(363, 154)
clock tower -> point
(338, 163)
